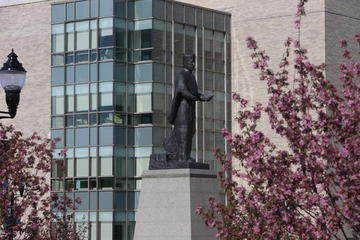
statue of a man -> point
(182, 113)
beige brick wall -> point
(270, 23)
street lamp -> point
(12, 79)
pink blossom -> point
(309, 189)
(226, 134)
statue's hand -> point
(206, 98)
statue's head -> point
(189, 61)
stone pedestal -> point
(167, 204)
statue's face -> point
(189, 62)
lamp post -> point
(12, 79)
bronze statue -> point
(183, 116)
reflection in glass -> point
(93, 138)
(93, 183)
(81, 184)
(82, 56)
(138, 9)
(208, 44)
(57, 13)
(140, 34)
(70, 11)
(93, 72)
(82, 97)
(57, 59)
(120, 162)
(57, 38)
(57, 122)
(190, 15)
(82, 119)
(219, 21)
(219, 45)
(106, 32)
(179, 43)
(106, 54)
(93, 34)
(178, 12)
(106, 8)
(120, 95)
(106, 71)
(81, 73)
(69, 137)
(106, 135)
(69, 121)
(158, 35)
(82, 9)
(208, 19)
(106, 230)
(70, 36)
(69, 58)
(106, 118)
(93, 97)
(189, 40)
(81, 137)
(93, 200)
(69, 167)
(120, 30)
(70, 74)
(57, 100)
(120, 135)
(69, 98)
(82, 35)
(106, 96)
(82, 168)
(106, 183)
(57, 76)
(143, 100)
(93, 8)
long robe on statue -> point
(183, 117)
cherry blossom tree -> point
(311, 190)
(27, 209)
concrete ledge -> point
(179, 173)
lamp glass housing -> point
(12, 79)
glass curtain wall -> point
(112, 74)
